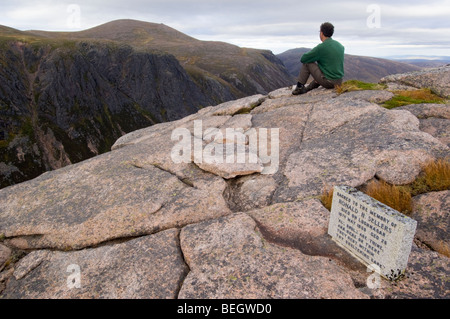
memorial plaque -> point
(371, 231)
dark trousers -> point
(314, 70)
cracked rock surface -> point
(137, 224)
(229, 259)
(145, 267)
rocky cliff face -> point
(151, 220)
(228, 68)
(65, 97)
(67, 101)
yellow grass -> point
(390, 195)
(327, 197)
(435, 176)
(412, 97)
(443, 248)
(420, 94)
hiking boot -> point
(300, 89)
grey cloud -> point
(253, 21)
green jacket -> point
(329, 55)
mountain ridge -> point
(119, 30)
(239, 69)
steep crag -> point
(65, 97)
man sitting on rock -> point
(325, 63)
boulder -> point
(428, 110)
(434, 119)
(283, 92)
(436, 79)
(283, 98)
(433, 224)
(78, 206)
(438, 128)
(241, 161)
(5, 253)
(243, 105)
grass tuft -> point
(420, 96)
(435, 176)
(327, 197)
(355, 85)
(390, 195)
(443, 248)
(401, 98)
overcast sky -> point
(370, 28)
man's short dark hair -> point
(327, 29)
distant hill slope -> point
(361, 68)
(425, 63)
(242, 71)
